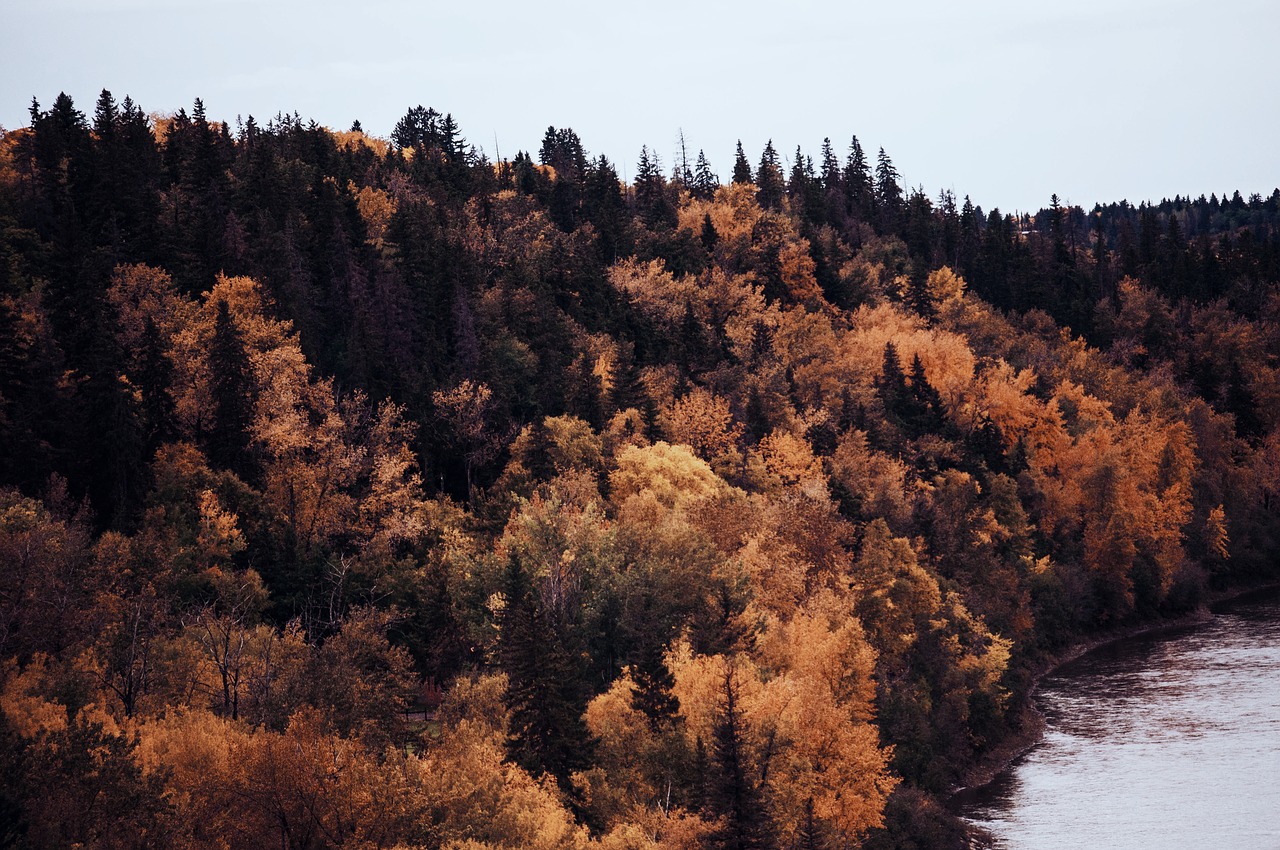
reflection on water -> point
(1162, 742)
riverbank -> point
(1029, 725)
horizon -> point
(970, 101)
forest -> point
(367, 493)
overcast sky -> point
(1005, 101)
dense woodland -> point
(366, 493)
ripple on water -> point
(1160, 742)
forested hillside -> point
(366, 493)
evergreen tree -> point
(652, 202)
(924, 407)
(771, 185)
(734, 794)
(544, 693)
(895, 396)
(709, 236)
(651, 692)
(604, 205)
(858, 193)
(705, 181)
(741, 167)
(682, 171)
(888, 193)
(230, 386)
(1242, 403)
(832, 179)
(809, 836)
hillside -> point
(366, 493)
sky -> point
(1008, 102)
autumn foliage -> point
(359, 493)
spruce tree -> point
(544, 693)
(888, 193)
(710, 236)
(705, 181)
(769, 180)
(809, 836)
(652, 688)
(741, 167)
(858, 194)
(733, 793)
(924, 404)
(230, 386)
(892, 388)
(831, 177)
(652, 202)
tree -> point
(231, 388)
(82, 786)
(467, 411)
(888, 193)
(733, 792)
(651, 192)
(651, 692)
(741, 167)
(859, 193)
(705, 181)
(769, 180)
(544, 693)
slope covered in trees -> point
(367, 493)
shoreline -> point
(1029, 726)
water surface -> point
(1164, 741)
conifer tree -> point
(651, 192)
(924, 410)
(651, 692)
(769, 180)
(544, 691)
(741, 167)
(809, 837)
(709, 236)
(888, 193)
(705, 181)
(831, 176)
(733, 793)
(230, 387)
(859, 197)
(604, 205)
(892, 385)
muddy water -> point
(1164, 741)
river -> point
(1164, 741)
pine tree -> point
(925, 406)
(734, 794)
(771, 185)
(1242, 403)
(682, 172)
(652, 202)
(652, 688)
(604, 205)
(705, 181)
(230, 387)
(544, 690)
(832, 180)
(154, 378)
(809, 836)
(888, 193)
(858, 194)
(892, 385)
(709, 236)
(741, 167)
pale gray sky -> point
(1005, 101)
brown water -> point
(1165, 741)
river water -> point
(1163, 741)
